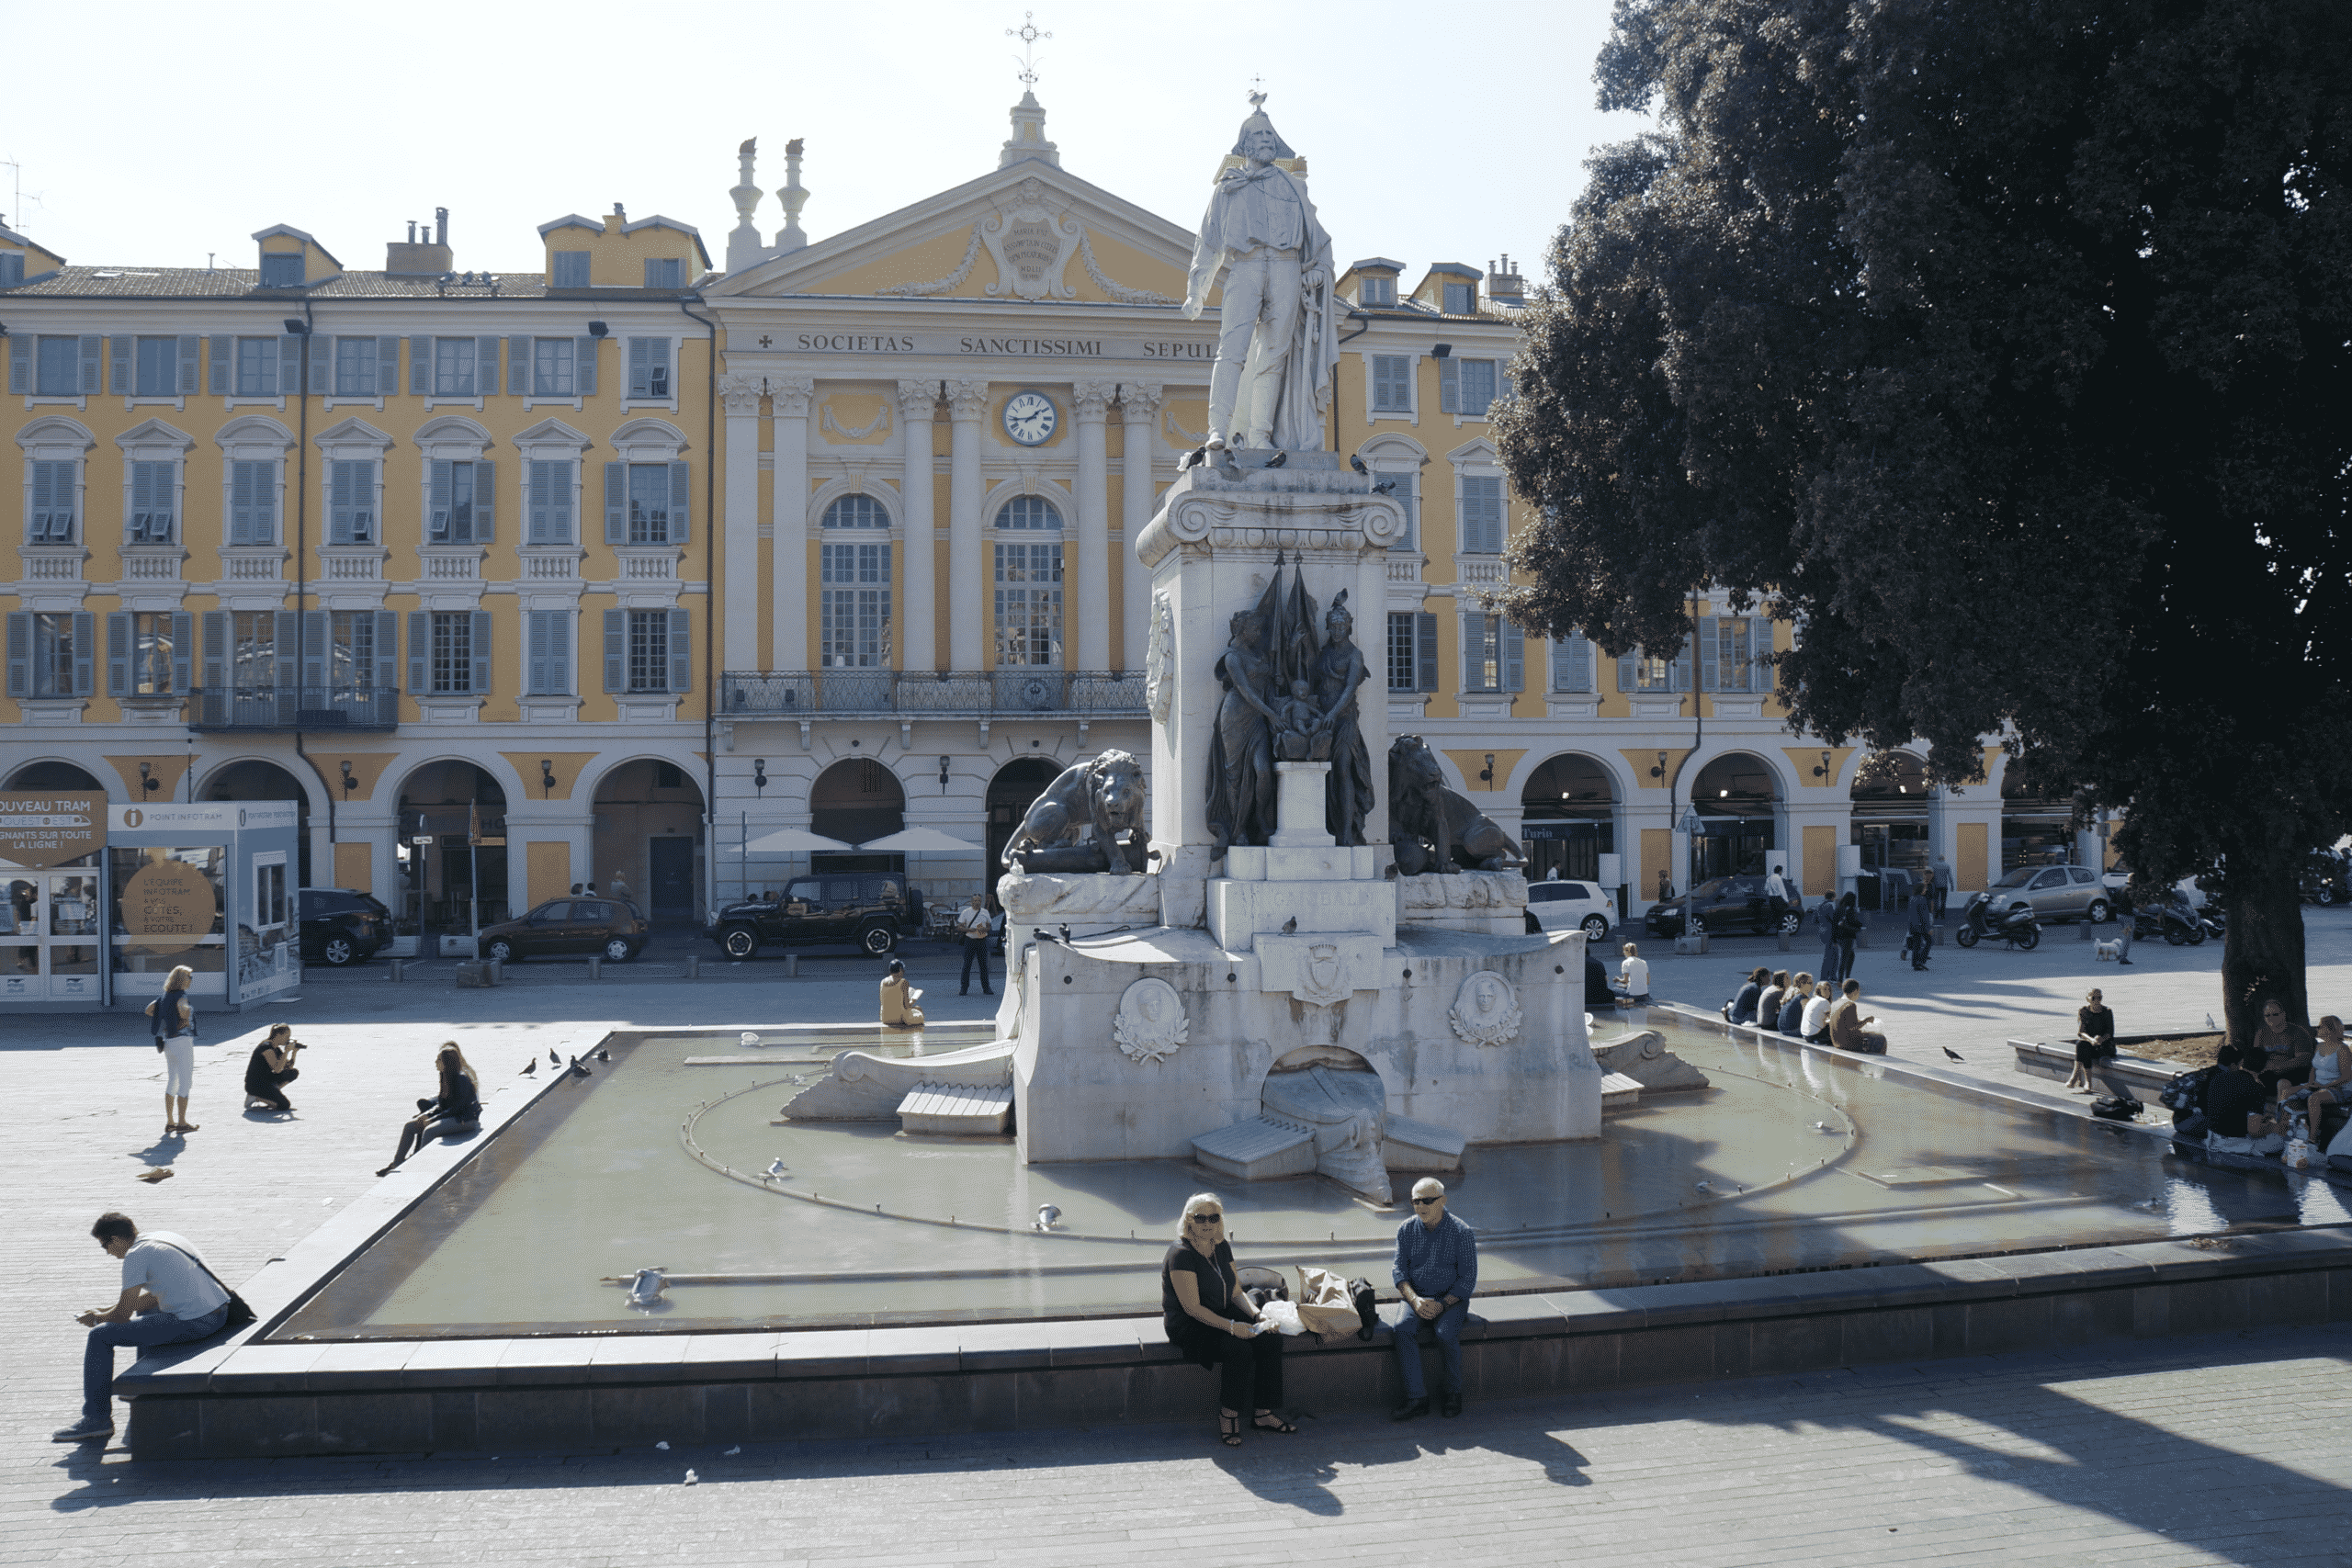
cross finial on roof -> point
(1028, 33)
(1257, 92)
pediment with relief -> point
(1033, 231)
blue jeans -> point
(1830, 970)
(1411, 1331)
(149, 1328)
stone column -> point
(739, 545)
(1091, 603)
(788, 572)
(916, 616)
(1139, 414)
(967, 564)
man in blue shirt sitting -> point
(1435, 1272)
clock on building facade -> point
(1030, 418)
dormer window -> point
(569, 270)
(1459, 298)
(1378, 291)
(281, 269)
(665, 272)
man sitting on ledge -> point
(1436, 1270)
(2233, 1102)
(1845, 1022)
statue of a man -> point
(1279, 336)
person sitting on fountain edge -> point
(1436, 1270)
(1741, 1009)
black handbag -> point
(1366, 1300)
(240, 1313)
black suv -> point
(340, 926)
(864, 908)
(1725, 904)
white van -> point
(1556, 906)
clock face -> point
(1030, 418)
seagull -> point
(1955, 1054)
(1823, 1127)
(691, 1479)
(1290, 925)
(1048, 1217)
(1706, 1187)
(1278, 460)
(750, 1037)
(776, 1172)
(1193, 459)
(1384, 487)
(1357, 464)
(530, 1066)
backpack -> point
(1367, 1301)
(1847, 924)
(2117, 1108)
(2185, 1092)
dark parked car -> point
(340, 926)
(1726, 904)
(866, 908)
(569, 928)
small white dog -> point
(2109, 952)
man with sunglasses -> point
(169, 1297)
(1436, 1270)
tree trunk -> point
(2262, 952)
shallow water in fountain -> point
(1807, 1161)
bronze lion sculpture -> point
(1435, 829)
(1107, 793)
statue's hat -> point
(1258, 121)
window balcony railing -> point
(294, 707)
(986, 694)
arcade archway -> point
(1017, 784)
(1735, 797)
(256, 780)
(1568, 818)
(649, 840)
(856, 800)
(452, 849)
(1891, 808)
(52, 775)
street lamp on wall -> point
(942, 775)
(1823, 772)
(1486, 773)
(148, 781)
(349, 783)
(1659, 771)
(760, 776)
(546, 778)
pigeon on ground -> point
(1278, 460)
(603, 1054)
(1357, 464)
(1955, 1054)
(1048, 1217)
(1290, 925)
(775, 1172)
(579, 1068)
(553, 1060)
(1193, 459)
(2208, 1021)
(1384, 487)
(530, 1066)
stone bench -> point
(2145, 1076)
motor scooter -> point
(2015, 926)
(2176, 922)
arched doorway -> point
(1891, 816)
(2037, 828)
(452, 850)
(855, 800)
(53, 775)
(648, 843)
(1568, 818)
(1734, 796)
(255, 780)
(1016, 787)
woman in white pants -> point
(175, 1038)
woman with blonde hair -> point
(174, 1029)
(457, 1110)
(1213, 1325)
(1814, 1028)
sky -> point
(1432, 133)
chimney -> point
(415, 258)
(1504, 285)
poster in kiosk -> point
(210, 885)
(50, 956)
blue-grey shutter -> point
(420, 651)
(342, 500)
(224, 363)
(388, 366)
(118, 362)
(440, 500)
(20, 370)
(286, 649)
(1710, 647)
(1682, 667)
(1572, 663)
(641, 366)
(1514, 657)
(1759, 650)
(482, 652)
(20, 652)
(145, 480)
(617, 503)
(322, 365)
(183, 651)
(535, 645)
(681, 501)
(1424, 650)
(92, 355)
(486, 366)
(1472, 625)
(387, 650)
(119, 653)
(289, 364)
(583, 366)
(485, 500)
(682, 651)
(1448, 387)
(314, 652)
(86, 651)
(1625, 669)
(420, 367)
(615, 651)
(191, 360)
(559, 653)
(215, 650)
(519, 367)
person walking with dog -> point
(2127, 916)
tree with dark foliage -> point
(2003, 347)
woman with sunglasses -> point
(1213, 1325)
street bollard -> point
(497, 973)
(792, 967)
(595, 969)
(1784, 941)
(399, 968)
(2083, 930)
(694, 968)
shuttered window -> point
(51, 653)
(281, 269)
(57, 367)
(253, 502)
(549, 659)
(1482, 515)
(569, 270)
(351, 502)
(1494, 656)
(853, 604)
(551, 501)
(256, 367)
(1392, 383)
(1460, 297)
(153, 487)
(155, 368)
(12, 268)
(648, 367)
(355, 366)
(1572, 663)
(1376, 292)
(1466, 387)
(665, 272)
(461, 498)
(51, 518)
(551, 360)
(453, 368)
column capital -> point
(1139, 400)
(969, 400)
(1091, 400)
(792, 394)
(740, 393)
(917, 400)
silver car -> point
(2054, 892)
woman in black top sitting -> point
(1741, 1009)
(1210, 1320)
(2094, 1039)
(455, 1110)
(271, 1067)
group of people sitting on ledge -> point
(1819, 1013)
(2253, 1093)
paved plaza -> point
(2221, 1449)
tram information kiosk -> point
(210, 885)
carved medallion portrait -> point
(1486, 1010)
(1150, 1022)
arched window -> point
(1030, 511)
(856, 511)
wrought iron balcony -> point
(983, 694)
(294, 707)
